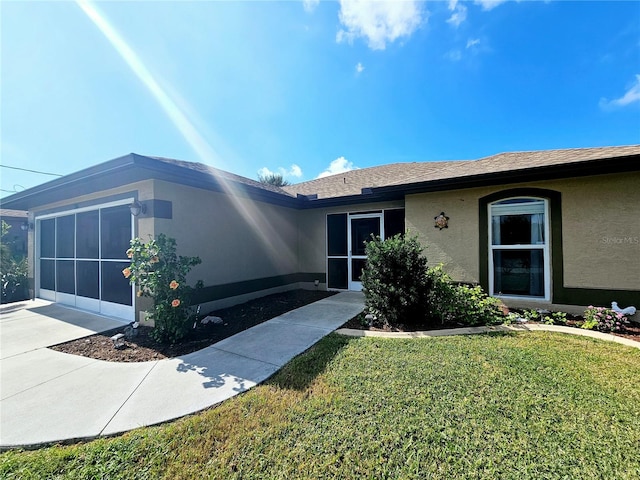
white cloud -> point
(293, 171)
(379, 22)
(310, 5)
(489, 4)
(453, 55)
(631, 95)
(472, 42)
(265, 172)
(339, 165)
(459, 14)
(359, 68)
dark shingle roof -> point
(221, 174)
(387, 181)
(353, 181)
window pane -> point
(88, 274)
(518, 272)
(116, 231)
(48, 238)
(115, 288)
(65, 233)
(337, 276)
(361, 231)
(518, 229)
(337, 234)
(393, 222)
(48, 274)
(87, 234)
(65, 276)
(357, 265)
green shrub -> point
(395, 281)
(475, 307)
(442, 295)
(14, 272)
(466, 304)
(161, 274)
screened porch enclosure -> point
(347, 234)
(81, 255)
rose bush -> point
(158, 272)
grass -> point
(523, 405)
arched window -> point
(519, 248)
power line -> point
(32, 171)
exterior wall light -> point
(137, 208)
(26, 226)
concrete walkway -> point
(48, 396)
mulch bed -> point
(238, 318)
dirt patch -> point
(143, 347)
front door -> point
(361, 228)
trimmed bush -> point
(395, 281)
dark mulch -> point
(144, 348)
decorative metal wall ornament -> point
(442, 221)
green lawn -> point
(522, 405)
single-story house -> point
(539, 228)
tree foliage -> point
(275, 179)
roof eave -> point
(551, 172)
(129, 169)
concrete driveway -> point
(48, 396)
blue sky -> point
(306, 87)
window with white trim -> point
(518, 248)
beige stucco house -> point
(541, 228)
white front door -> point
(361, 228)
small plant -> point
(546, 317)
(160, 273)
(604, 319)
(394, 280)
(512, 318)
(556, 318)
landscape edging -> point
(487, 329)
